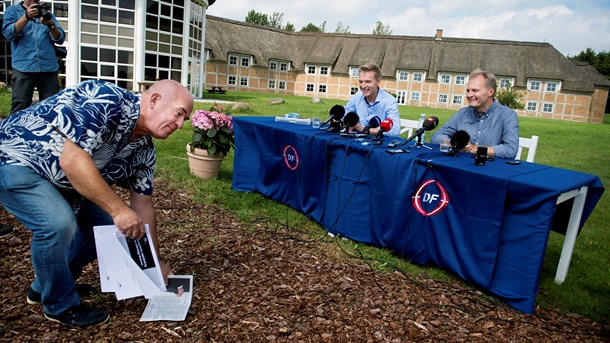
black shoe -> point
(6, 230)
(80, 316)
(83, 290)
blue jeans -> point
(62, 241)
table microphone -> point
(373, 123)
(350, 120)
(385, 126)
(336, 113)
(459, 141)
(429, 124)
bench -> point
(217, 90)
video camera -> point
(44, 11)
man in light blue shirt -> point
(488, 122)
(373, 101)
(34, 63)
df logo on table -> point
(430, 198)
(291, 157)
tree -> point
(289, 27)
(341, 29)
(381, 29)
(510, 97)
(313, 28)
(599, 61)
(276, 20)
(254, 17)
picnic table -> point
(217, 90)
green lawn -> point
(576, 146)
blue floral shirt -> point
(99, 117)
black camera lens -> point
(44, 11)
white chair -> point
(408, 125)
(531, 144)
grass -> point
(570, 145)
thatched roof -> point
(521, 60)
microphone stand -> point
(420, 144)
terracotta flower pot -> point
(203, 165)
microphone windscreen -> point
(430, 123)
(374, 122)
(460, 139)
(350, 119)
(337, 112)
(387, 124)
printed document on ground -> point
(172, 304)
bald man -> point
(58, 159)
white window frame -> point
(232, 80)
(311, 69)
(232, 60)
(418, 76)
(415, 96)
(457, 99)
(547, 107)
(353, 90)
(402, 75)
(460, 79)
(281, 85)
(243, 81)
(552, 87)
(442, 98)
(322, 88)
(354, 72)
(324, 70)
(309, 87)
(245, 62)
(445, 78)
(505, 83)
(273, 65)
(283, 66)
(531, 106)
(401, 96)
(531, 83)
(271, 84)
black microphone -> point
(459, 141)
(429, 124)
(350, 120)
(336, 113)
(373, 123)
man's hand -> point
(130, 224)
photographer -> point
(32, 30)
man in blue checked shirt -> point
(34, 63)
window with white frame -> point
(283, 66)
(401, 97)
(354, 72)
(281, 85)
(551, 86)
(415, 96)
(403, 75)
(232, 80)
(505, 83)
(458, 99)
(445, 78)
(533, 85)
(532, 106)
(311, 69)
(245, 61)
(273, 65)
(353, 90)
(322, 88)
(309, 87)
(418, 77)
(323, 70)
(271, 84)
(460, 79)
(442, 98)
(547, 107)
(243, 81)
(233, 60)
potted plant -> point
(211, 141)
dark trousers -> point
(23, 88)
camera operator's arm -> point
(55, 33)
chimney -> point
(439, 34)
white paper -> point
(119, 273)
(172, 304)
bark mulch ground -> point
(259, 283)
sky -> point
(571, 26)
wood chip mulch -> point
(266, 283)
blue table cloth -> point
(487, 224)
